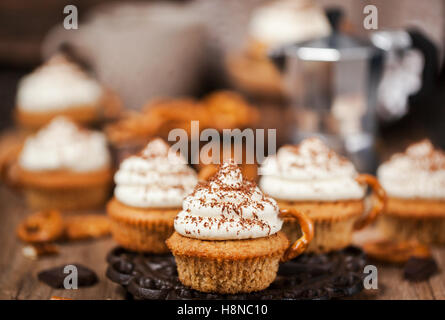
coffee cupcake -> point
(273, 25)
(312, 178)
(58, 87)
(150, 188)
(66, 167)
(228, 237)
(415, 183)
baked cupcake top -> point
(310, 171)
(57, 85)
(228, 207)
(154, 178)
(419, 172)
(62, 145)
(288, 21)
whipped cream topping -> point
(284, 22)
(309, 171)
(57, 85)
(419, 172)
(228, 208)
(62, 145)
(154, 178)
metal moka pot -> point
(331, 84)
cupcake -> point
(64, 166)
(415, 183)
(150, 188)
(228, 238)
(274, 25)
(312, 178)
(58, 87)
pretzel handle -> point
(307, 228)
(379, 195)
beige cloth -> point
(162, 49)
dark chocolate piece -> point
(309, 276)
(420, 269)
(55, 277)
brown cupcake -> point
(149, 190)
(415, 183)
(230, 266)
(236, 245)
(272, 26)
(313, 179)
(64, 167)
(65, 190)
(61, 88)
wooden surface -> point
(18, 274)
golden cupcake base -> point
(65, 190)
(32, 121)
(141, 229)
(67, 199)
(228, 266)
(414, 219)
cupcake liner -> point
(426, 230)
(142, 238)
(227, 276)
(140, 229)
(67, 199)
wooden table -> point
(18, 274)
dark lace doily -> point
(309, 276)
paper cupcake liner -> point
(426, 230)
(142, 237)
(138, 229)
(67, 199)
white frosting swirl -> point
(57, 85)
(309, 172)
(228, 208)
(62, 145)
(154, 178)
(417, 173)
(284, 22)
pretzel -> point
(86, 226)
(37, 250)
(43, 226)
(395, 252)
(380, 197)
(307, 230)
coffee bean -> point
(420, 269)
(55, 277)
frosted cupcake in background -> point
(150, 188)
(59, 87)
(64, 166)
(275, 24)
(312, 178)
(228, 238)
(415, 183)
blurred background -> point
(308, 67)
